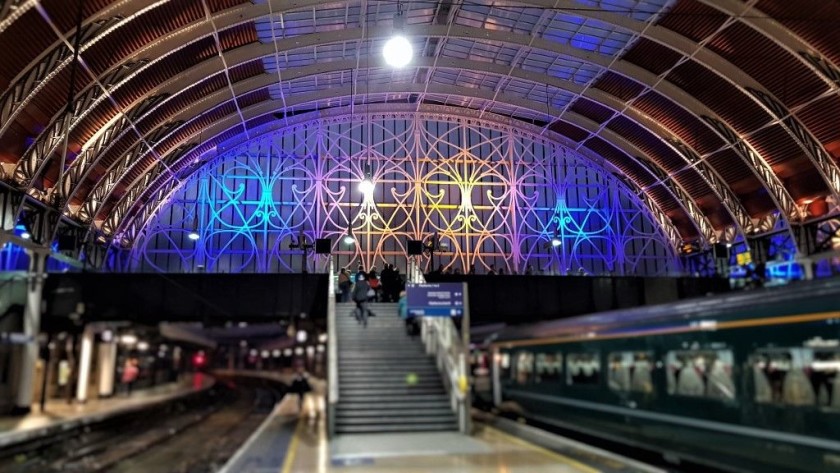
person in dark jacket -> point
(300, 386)
(360, 297)
(385, 281)
(344, 284)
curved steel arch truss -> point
(495, 195)
(784, 202)
(507, 30)
(183, 155)
(691, 157)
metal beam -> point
(252, 52)
(774, 186)
(242, 14)
(777, 191)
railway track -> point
(188, 437)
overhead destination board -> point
(445, 299)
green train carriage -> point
(744, 382)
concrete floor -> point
(59, 412)
(489, 451)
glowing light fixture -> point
(398, 51)
(193, 234)
(366, 186)
(23, 231)
(555, 240)
(349, 239)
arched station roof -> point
(723, 112)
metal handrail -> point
(332, 352)
(441, 338)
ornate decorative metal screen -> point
(494, 194)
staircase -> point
(373, 365)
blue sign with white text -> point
(445, 299)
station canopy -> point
(725, 112)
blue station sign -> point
(445, 299)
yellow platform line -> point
(554, 455)
(291, 452)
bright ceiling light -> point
(555, 240)
(349, 239)
(398, 51)
(193, 235)
(366, 186)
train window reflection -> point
(523, 367)
(548, 367)
(631, 371)
(583, 368)
(797, 376)
(701, 373)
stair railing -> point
(442, 340)
(332, 353)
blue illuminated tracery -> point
(495, 195)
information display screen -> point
(445, 299)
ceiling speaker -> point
(323, 246)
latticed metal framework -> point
(721, 112)
(494, 194)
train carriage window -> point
(524, 367)
(631, 371)
(505, 371)
(797, 376)
(583, 369)
(701, 373)
(548, 367)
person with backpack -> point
(373, 282)
(344, 285)
(360, 297)
(300, 386)
(412, 323)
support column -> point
(31, 329)
(496, 361)
(107, 364)
(84, 364)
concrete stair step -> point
(372, 429)
(352, 392)
(387, 399)
(394, 419)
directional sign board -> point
(445, 299)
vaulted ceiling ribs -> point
(720, 111)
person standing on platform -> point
(373, 283)
(360, 297)
(344, 285)
(300, 386)
(130, 374)
(412, 325)
(396, 284)
(359, 270)
(385, 283)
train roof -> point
(796, 298)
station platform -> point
(291, 441)
(59, 415)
